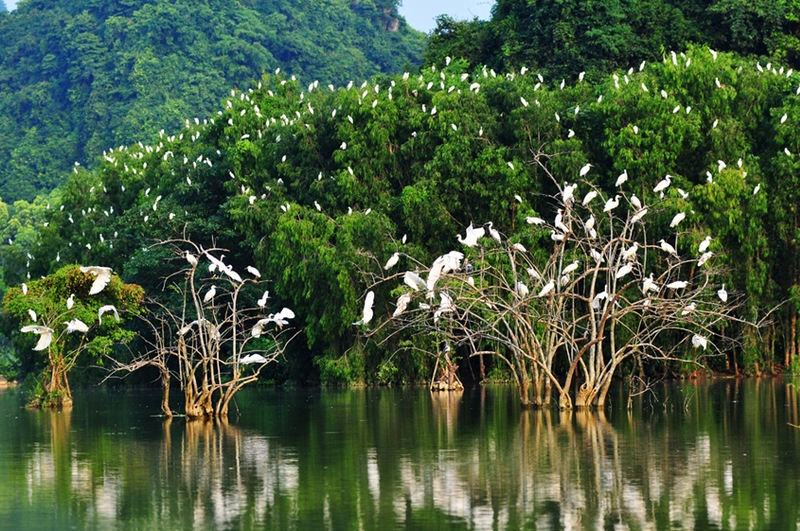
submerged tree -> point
(73, 310)
(211, 341)
(595, 289)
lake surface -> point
(694, 455)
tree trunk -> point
(165, 394)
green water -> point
(712, 455)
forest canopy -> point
(83, 76)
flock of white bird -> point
(133, 161)
(102, 278)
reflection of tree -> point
(369, 459)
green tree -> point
(45, 306)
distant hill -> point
(79, 77)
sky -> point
(421, 14)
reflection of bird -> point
(105, 309)
(367, 314)
(209, 296)
(76, 325)
(45, 335)
(102, 277)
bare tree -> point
(214, 343)
(593, 291)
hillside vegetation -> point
(82, 76)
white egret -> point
(367, 312)
(678, 284)
(667, 247)
(603, 295)
(585, 169)
(402, 303)
(622, 271)
(102, 277)
(559, 224)
(722, 294)
(45, 335)
(70, 301)
(622, 178)
(547, 288)
(704, 245)
(663, 184)
(253, 358)
(521, 289)
(472, 236)
(611, 204)
(32, 315)
(589, 224)
(677, 219)
(597, 256)
(629, 254)
(704, 258)
(568, 194)
(532, 220)
(414, 281)
(24, 288)
(649, 284)
(636, 202)
(591, 194)
(107, 308)
(209, 296)
(392, 261)
(689, 309)
(699, 341)
(494, 233)
(639, 215)
(262, 302)
(519, 247)
(570, 268)
(253, 271)
(280, 319)
(76, 325)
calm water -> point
(716, 455)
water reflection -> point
(717, 456)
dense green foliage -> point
(82, 76)
(318, 187)
(563, 38)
